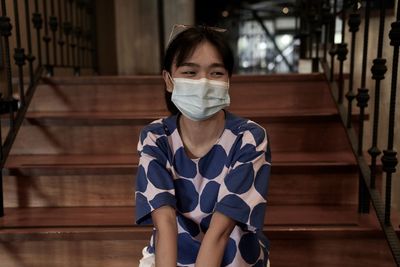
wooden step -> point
(70, 164)
(86, 138)
(138, 93)
(88, 180)
(104, 222)
(61, 237)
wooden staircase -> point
(69, 184)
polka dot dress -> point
(232, 178)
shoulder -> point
(158, 128)
(247, 130)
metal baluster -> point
(53, 23)
(93, 23)
(38, 24)
(378, 74)
(326, 20)
(342, 53)
(67, 30)
(19, 55)
(78, 33)
(333, 49)
(362, 103)
(389, 159)
(354, 24)
(61, 42)
(30, 56)
(5, 31)
(47, 39)
(73, 34)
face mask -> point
(200, 99)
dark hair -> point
(183, 46)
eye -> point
(217, 74)
(189, 72)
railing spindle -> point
(30, 56)
(389, 159)
(333, 48)
(5, 29)
(38, 24)
(378, 74)
(342, 54)
(61, 41)
(362, 103)
(47, 39)
(354, 24)
(19, 55)
(53, 24)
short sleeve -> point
(242, 196)
(154, 182)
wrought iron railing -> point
(65, 37)
(322, 18)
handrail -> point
(60, 26)
(367, 173)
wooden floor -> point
(69, 181)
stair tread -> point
(132, 79)
(130, 160)
(120, 220)
(157, 114)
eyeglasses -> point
(178, 28)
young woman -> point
(203, 172)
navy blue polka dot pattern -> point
(257, 215)
(259, 263)
(261, 180)
(159, 177)
(247, 153)
(190, 226)
(249, 249)
(237, 180)
(230, 252)
(162, 199)
(235, 207)
(208, 197)
(186, 195)
(231, 178)
(142, 208)
(187, 254)
(211, 165)
(154, 152)
(183, 165)
(141, 180)
(205, 223)
(153, 128)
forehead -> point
(204, 54)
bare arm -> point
(164, 219)
(214, 242)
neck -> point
(199, 136)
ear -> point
(167, 79)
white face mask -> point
(200, 99)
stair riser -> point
(118, 190)
(142, 96)
(86, 253)
(333, 252)
(108, 139)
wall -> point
(137, 34)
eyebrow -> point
(190, 64)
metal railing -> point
(40, 36)
(350, 11)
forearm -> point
(166, 247)
(214, 242)
(166, 236)
(211, 251)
